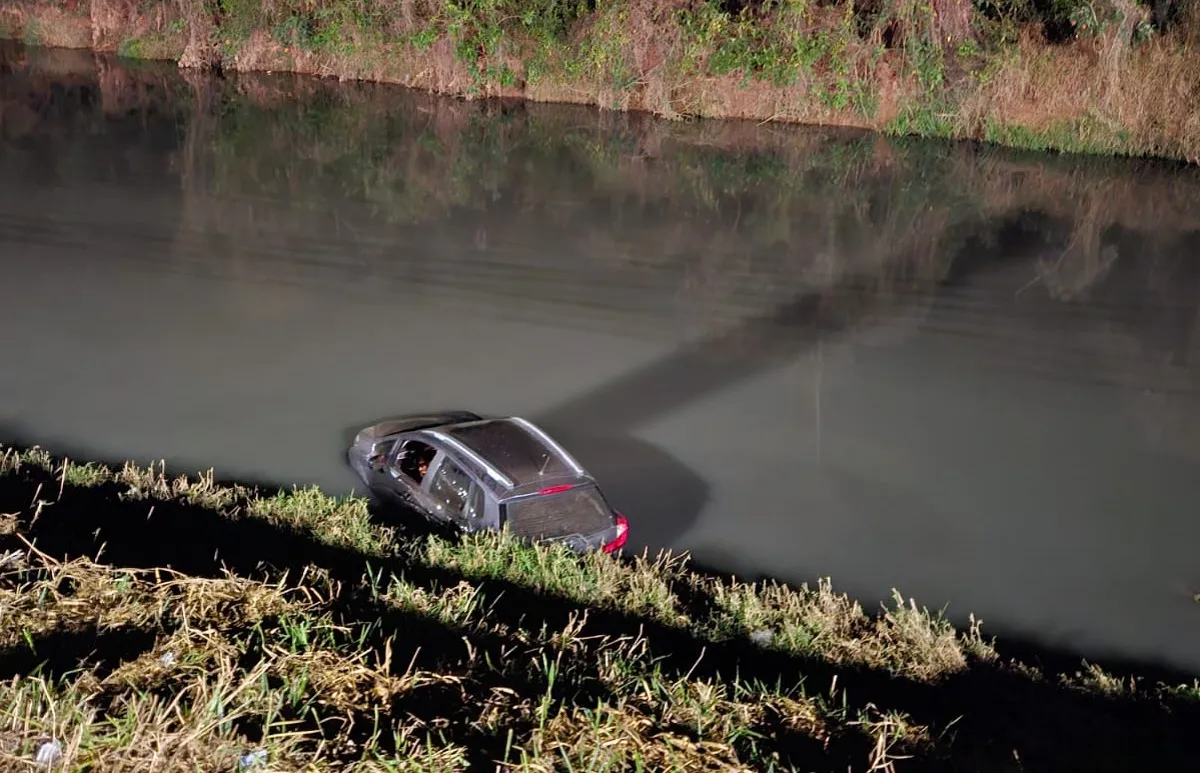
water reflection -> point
(962, 373)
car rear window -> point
(580, 510)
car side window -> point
(407, 460)
(380, 451)
(475, 506)
(451, 486)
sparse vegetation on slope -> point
(193, 623)
(1103, 76)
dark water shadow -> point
(660, 495)
(600, 423)
(992, 711)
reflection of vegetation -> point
(817, 205)
(296, 631)
(811, 200)
(717, 198)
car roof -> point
(517, 449)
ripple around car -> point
(474, 473)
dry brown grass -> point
(201, 47)
(115, 20)
(1144, 102)
(905, 640)
(232, 651)
(221, 645)
(46, 23)
(617, 737)
(80, 594)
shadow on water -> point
(661, 493)
(989, 717)
(662, 496)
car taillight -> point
(622, 534)
(556, 489)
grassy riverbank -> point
(299, 627)
(1102, 77)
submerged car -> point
(474, 473)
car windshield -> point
(578, 510)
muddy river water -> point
(964, 373)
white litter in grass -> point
(762, 637)
(253, 759)
(49, 754)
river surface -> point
(965, 374)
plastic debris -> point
(49, 754)
(167, 659)
(761, 637)
(253, 759)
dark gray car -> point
(476, 473)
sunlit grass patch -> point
(702, 724)
(644, 587)
(194, 728)
(338, 521)
(13, 459)
(344, 522)
(653, 722)
(820, 622)
(229, 654)
(335, 667)
(175, 657)
(460, 606)
(148, 482)
(90, 474)
(894, 737)
(626, 736)
(201, 489)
